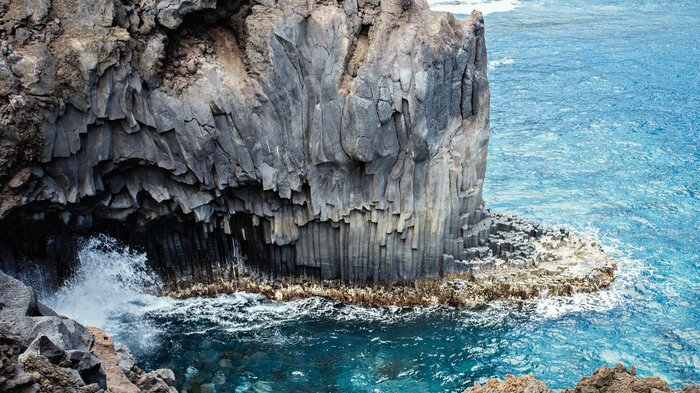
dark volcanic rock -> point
(340, 140)
(43, 346)
(16, 300)
(47, 353)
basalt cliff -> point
(340, 141)
(334, 139)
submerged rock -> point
(604, 380)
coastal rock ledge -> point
(519, 261)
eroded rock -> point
(518, 260)
(618, 379)
(342, 140)
(41, 352)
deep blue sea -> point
(595, 126)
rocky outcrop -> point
(604, 380)
(339, 140)
(123, 375)
(43, 352)
(521, 261)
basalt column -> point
(337, 139)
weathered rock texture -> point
(335, 139)
(43, 352)
(604, 380)
(123, 375)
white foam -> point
(111, 288)
(629, 274)
(244, 312)
(498, 63)
(465, 7)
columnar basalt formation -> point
(336, 139)
(520, 261)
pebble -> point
(191, 67)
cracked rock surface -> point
(341, 140)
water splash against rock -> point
(112, 285)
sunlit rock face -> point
(339, 140)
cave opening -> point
(43, 241)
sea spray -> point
(111, 288)
(631, 273)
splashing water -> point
(497, 63)
(111, 288)
(245, 337)
(594, 127)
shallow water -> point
(595, 113)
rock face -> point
(43, 352)
(340, 140)
(62, 345)
(604, 380)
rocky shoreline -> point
(517, 260)
(603, 380)
(41, 351)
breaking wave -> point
(111, 288)
(114, 289)
(465, 7)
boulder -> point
(16, 300)
(12, 376)
(167, 375)
(37, 10)
(511, 384)
(43, 346)
(88, 366)
(153, 383)
(126, 360)
(618, 379)
(42, 334)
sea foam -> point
(465, 7)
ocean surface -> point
(595, 126)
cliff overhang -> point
(340, 140)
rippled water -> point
(595, 112)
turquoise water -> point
(595, 113)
